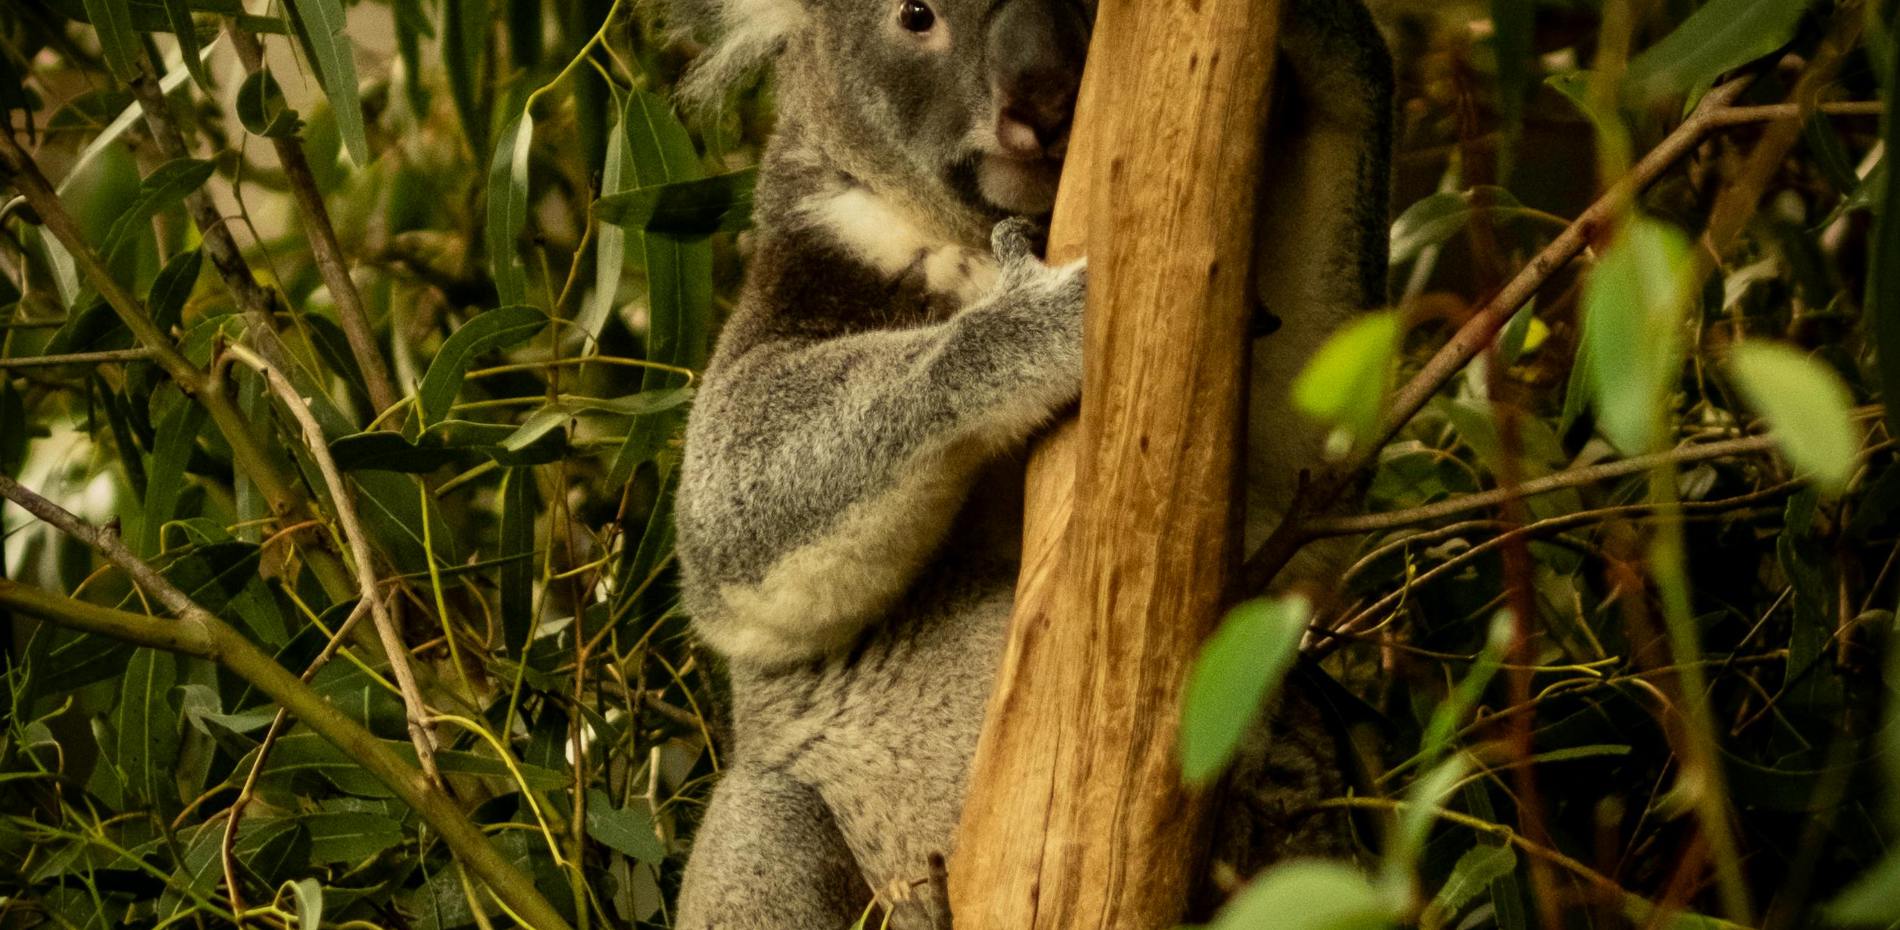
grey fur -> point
(849, 511)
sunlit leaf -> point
(1307, 895)
(1345, 383)
(1807, 406)
(112, 21)
(1635, 303)
(1239, 668)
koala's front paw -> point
(1047, 300)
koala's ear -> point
(745, 35)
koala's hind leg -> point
(768, 856)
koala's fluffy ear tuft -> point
(745, 35)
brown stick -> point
(324, 248)
(1076, 816)
(1483, 326)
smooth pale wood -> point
(1076, 817)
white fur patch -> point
(815, 600)
(887, 239)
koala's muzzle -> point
(1036, 49)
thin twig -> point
(1483, 326)
(1568, 478)
(325, 250)
(420, 731)
(76, 358)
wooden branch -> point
(325, 251)
(1076, 816)
(1483, 326)
(420, 731)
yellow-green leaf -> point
(1806, 404)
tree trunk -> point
(1076, 817)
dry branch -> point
(1076, 816)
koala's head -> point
(967, 102)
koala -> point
(849, 512)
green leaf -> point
(1437, 218)
(722, 203)
(178, 15)
(112, 20)
(508, 208)
(1720, 36)
(1634, 304)
(464, 49)
(1806, 404)
(518, 568)
(146, 728)
(350, 836)
(610, 241)
(1881, 302)
(172, 288)
(487, 332)
(383, 450)
(1423, 801)
(628, 830)
(166, 186)
(1872, 899)
(1344, 385)
(262, 109)
(1471, 876)
(1307, 895)
(177, 436)
(309, 897)
(321, 28)
(1238, 669)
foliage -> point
(487, 259)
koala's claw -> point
(1013, 241)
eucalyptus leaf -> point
(1307, 895)
(1635, 304)
(1807, 405)
(508, 208)
(1239, 668)
(486, 332)
(322, 28)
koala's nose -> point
(1036, 52)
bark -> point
(1076, 816)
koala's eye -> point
(916, 16)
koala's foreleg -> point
(821, 476)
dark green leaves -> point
(1241, 665)
(166, 186)
(320, 26)
(1720, 36)
(487, 332)
(261, 107)
(145, 726)
(722, 203)
(112, 20)
(508, 208)
(627, 830)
